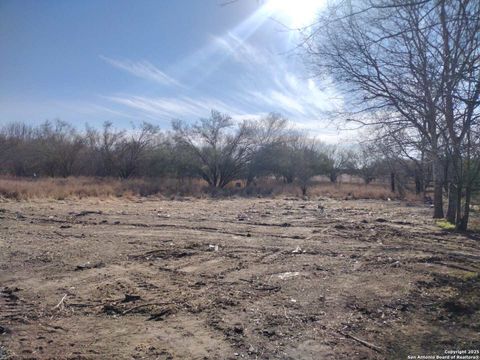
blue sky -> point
(127, 61)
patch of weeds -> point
(469, 275)
(445, 225)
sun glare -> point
(295, 13)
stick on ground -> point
(363, 342)
(61, 301)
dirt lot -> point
(232, 279)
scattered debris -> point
(89, 265)
(111, 309)
(86, 212)
(287, 275)
(142, 306)
(130, 298)
(61, 302)
(297, 250)
(363, 342)
(213, 247)
(238, 329)
(8, 293)
(260, 299)
(161, 315)
(268, 332)
(4, 330)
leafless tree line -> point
(216, 149)
(411, 70)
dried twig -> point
(61, 301)
(143, 305)
(363, 342)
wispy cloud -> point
(240, 50)
(142, 69)
(236, 74)
(94, 112)
(167, 108)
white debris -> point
(213, 247)
(288, 274)
(297, 250)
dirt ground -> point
(233, 279)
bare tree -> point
(221, 148)
(17, 149)
(58, 148)
(410, 61)
(309, 161)
(338, 160)
(133, 149)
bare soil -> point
(231, 279)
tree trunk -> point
(333, 177)
(392, 182)
(466, 212)
(418, 184)
(304, 190)
(437, 189)
(452, 204)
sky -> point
(129, 61)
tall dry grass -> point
(341, 191)
(81, 187)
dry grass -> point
(353, 191)
(81, 187)
(340, 191)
